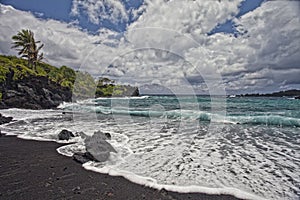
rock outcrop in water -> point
(98, 147)
(83, 157)
(4, 120)
(65, 135)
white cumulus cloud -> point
(98, 10)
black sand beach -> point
(34, 170)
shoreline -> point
(32, 169)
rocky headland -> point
(47, 86)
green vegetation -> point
(107, 89)
(25, 43)
(82, 83)
(84, 86)
(64, 76)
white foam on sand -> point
(68, 150)
(25, 114)
(150, 182)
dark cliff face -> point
(34, 92)
(40, 92)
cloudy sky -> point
(202, 46)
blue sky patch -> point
(229, 26)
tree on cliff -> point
(25, 43)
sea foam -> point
(150, 182)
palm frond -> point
(26, 46)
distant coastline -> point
(287, 93)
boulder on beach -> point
(108, 136)
(104, 136)
(98, 147)
(83, 157)
(65, 135)
(80, 134)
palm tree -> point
(25, 43)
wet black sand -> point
(34, 170)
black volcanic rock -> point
(108, 135)
(98, 147)
(4, 120)
(102, 135)
(83, 157)
(65, 135)
(34, 92)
